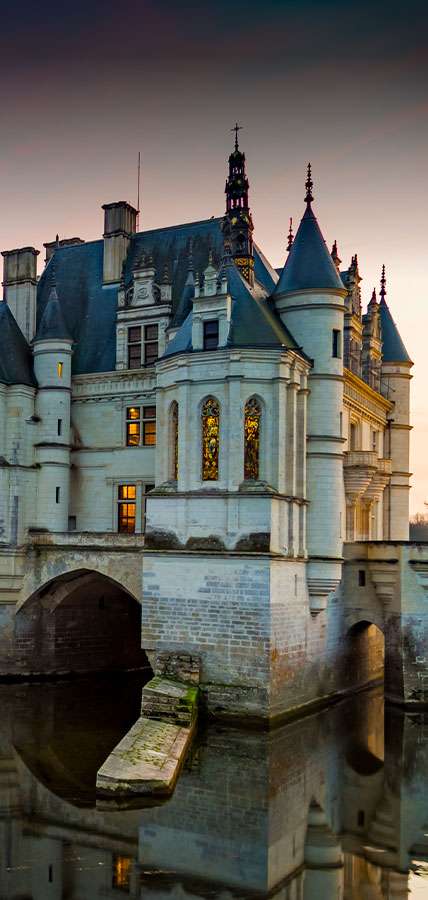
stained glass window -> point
(121, 872)
(210, 439)
(174, 441)
(252, 418)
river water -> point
(330, 807)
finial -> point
(309, 185)
(236, 128)
(190, 256)
(335, 256)
(373, 300)
(165, 277)
(290, 235)
(383, 285)
(210, 257)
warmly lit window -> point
(140, 426)
(134, 347)
(151, 346)
(60, 369)
(149, 425)
(337, 344)
(133, 426)
(146, 489)
(121, 872)
(252, 417)
(126, 508)
(211, 335)
(210, 439)
(174, 441)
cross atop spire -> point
(236, 128)
(383, 285)
(309, 185)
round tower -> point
(323, 858)
(395, 385)
(310, 299)
(52, 348)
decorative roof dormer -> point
(238, 224)
(353, 336)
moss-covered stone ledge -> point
(148, 759)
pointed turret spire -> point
(309, 265)
(238, 224)
(383, 285)
(309, 185)
(52, 324)
(290, 236)
(373, 299)
(335, 256)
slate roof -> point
(254, 322)
(16, 362)
(393, 349)
(89, 309)
(309, 264)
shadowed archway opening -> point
(82, 621)
(364, 659)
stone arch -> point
(364, 654)
(80, 621)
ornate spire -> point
(236, 128)
(238, 224)
(335, 256)
(290, 235)
(373, 300)
(309, 185)
(383, 285)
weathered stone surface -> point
(183, 666)
(169, 699)
(146, 761)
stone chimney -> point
(51, 246)
(120, 222)
(20, 287)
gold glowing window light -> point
(60, 369)
(210, 439)
(252, 416)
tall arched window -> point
(173, 441)
(252, 417)
(210, 439)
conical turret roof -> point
(393, 349)
(16, 362)
(52, 324)
(309, 264)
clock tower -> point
(238, 224)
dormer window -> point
(211, 335)
(151, 344)
(134, 347)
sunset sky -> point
(84, 87)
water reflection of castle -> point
(312, 811)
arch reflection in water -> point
(331, 807)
